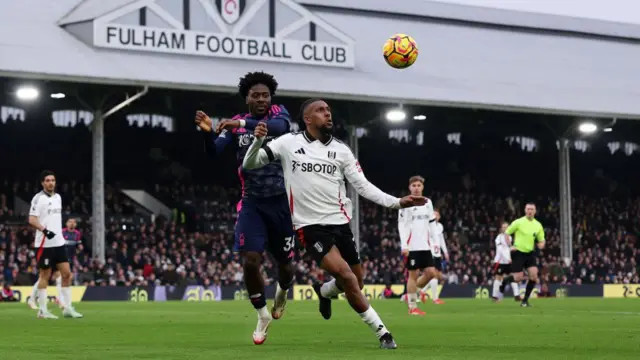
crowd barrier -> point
(305, 292)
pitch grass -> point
(560, 328)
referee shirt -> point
(527, 232)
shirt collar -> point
(310, 138)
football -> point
(400, 51)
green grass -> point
(563, 328)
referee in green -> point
(528, 233)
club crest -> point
(230, 10)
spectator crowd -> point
(165, 252)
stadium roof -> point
(61, 48)
(90, 9)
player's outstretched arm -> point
(279, 121)
(213, 143)
(356, 178)
(256, 156)
(353, 172)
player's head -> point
(416, 185)
(257, 88)
(530, 210)
(48, 180)
(316, 115)
(436, 213)
(503, 227)
(71, 224)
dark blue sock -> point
(284, 286)
(258, 301)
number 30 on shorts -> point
(289, 243)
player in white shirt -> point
(416, 226)
(315, 167)
(502, 264)
(45, 215)
(438, 248)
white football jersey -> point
(416, 226)
(503, 249)
(48, 209)
(314, 174)
(439, 246)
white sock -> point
(66, 296)
(42, 299)
(330, 289)
(63, 301)
(371, 318)
(496, 289)
(412, 300)
(425, 289)
(281, 294)
(433, 284)
(263, 313)
(516, 289)
(34, 291)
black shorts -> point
(319, 239)
(419, 260)
(521, 261)
(437, 263)
(502, 269)
(52, 256)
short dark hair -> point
(304, 107)
(253, 78)
(46, 173)
(416, 178)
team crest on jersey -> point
(245, 140)
(331, 154)
(318, 246)
(230, 10)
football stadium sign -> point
(234, 29)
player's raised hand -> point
(261, 130)
(411, 200)
(227, 124)
(203, 121)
